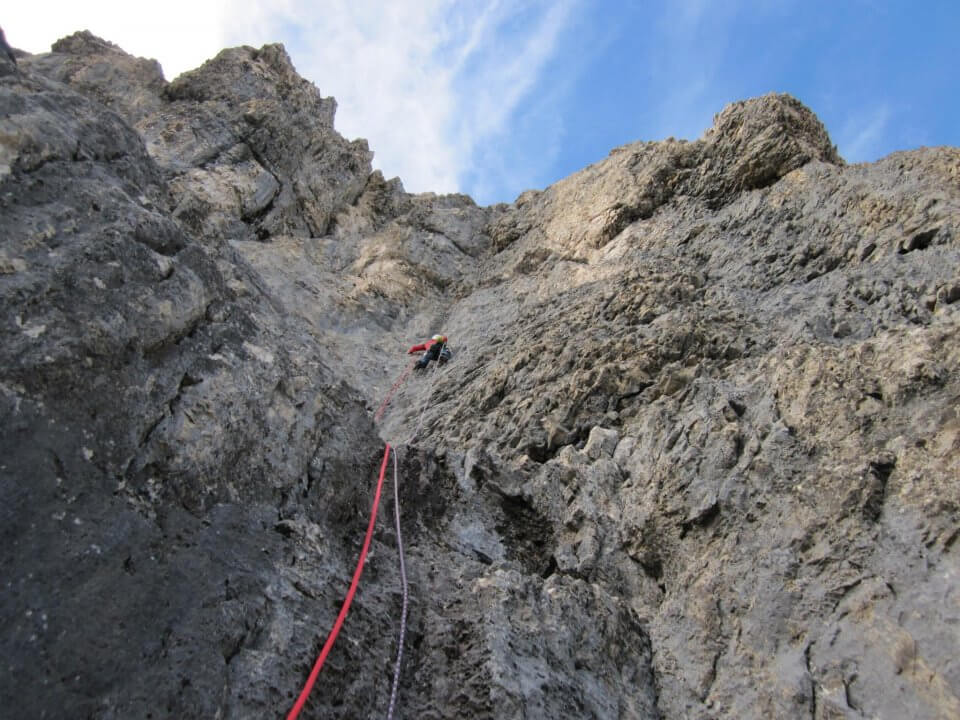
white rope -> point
(403, 578)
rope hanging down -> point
(298, 706)
(403, 579)
(424, 403)
(318, 665)
(390, 393)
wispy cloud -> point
(508, 67)
(863, 135)
(379, 60)
(691, 53)
(688, 47)
(505, 81)
(427, 82)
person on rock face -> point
(433, 349)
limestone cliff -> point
(698, 454)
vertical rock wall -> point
(697, 454)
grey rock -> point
(274, 122)
(748, 511)
(132, 87)
(158, 428)
(696, 454)
(601, 442)
(7, 50)
(751, 145)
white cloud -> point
(177, 43)
(378, 60)
(427, 82)
(863, 134)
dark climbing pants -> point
(432, 353)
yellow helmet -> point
(440, 338)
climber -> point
(435, 348)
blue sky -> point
(882, 76)
(492, 98)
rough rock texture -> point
(697, 454)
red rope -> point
(391, 392)
(298, 706)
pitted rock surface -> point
(696, 455)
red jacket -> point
(422, 346)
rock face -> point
(697, 454)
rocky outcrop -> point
(246, 145)
(751, 145)
(130, 86)
(260, 147)
(696, 456)
(165, 426)
(740, 419)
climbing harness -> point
(302, 699)
(403, 580)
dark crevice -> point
(188, 380)
(951, 540)
(285, 528)
(543, 451)
(313, 474)
(813, 683)
(551, 568)
(848, 697)
(632, 394)
(712, 678)
(704, 519)
(738, 444)
(58, 466)
(304, 590)
(652, 566)
(255, 217)
(738, 406)
(145, 437)
(175, 338)
(252, 218)
(843, 591)
(876, 490)
(482, 557)
(233, 649)
(920, 241)
(526, 535)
